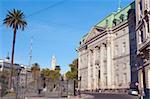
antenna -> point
(119, 5)
(30, 51)
(30, 60)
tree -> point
(35, 69)
(46, 73)
(15, 20)
(55, 75)
(73, 73)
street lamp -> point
(18, 73)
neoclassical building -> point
(107, 53)
(143, 45)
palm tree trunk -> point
(12, 58)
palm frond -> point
(15, 19)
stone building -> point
(106, 55)
(143, 45)
(6, 65)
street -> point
(112, 96)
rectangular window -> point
(140, 6)
(116, 50)
(117, 79)
(99, 74)
(117, 67)
(105, 52)
(140, 9)
(125, 78)
(123, 47)
(141, 36)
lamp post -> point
(18, 73)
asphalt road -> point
(112, 96)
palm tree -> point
(15, 20)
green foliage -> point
(73, 73)
(15, 19)
(55, 74)
(46, 72)
(52, 74)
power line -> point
(44, 9)
(49, 7)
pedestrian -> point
(79, 93)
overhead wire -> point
(45, 9)
(49, 7)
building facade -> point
(5, 65)
(143, 45)
(106, 55)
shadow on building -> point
(133, 48)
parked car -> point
(133, 92)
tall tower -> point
(30, 52)
(53, 62)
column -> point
(102, 66)
(109, 63)
(97, 63)
(94, 69)
(112, 63)
(89, 70)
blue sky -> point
(56, 26)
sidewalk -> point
(83, 96)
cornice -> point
(120, 26)
(119, 57)
(92, 40)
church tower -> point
(53, 62)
